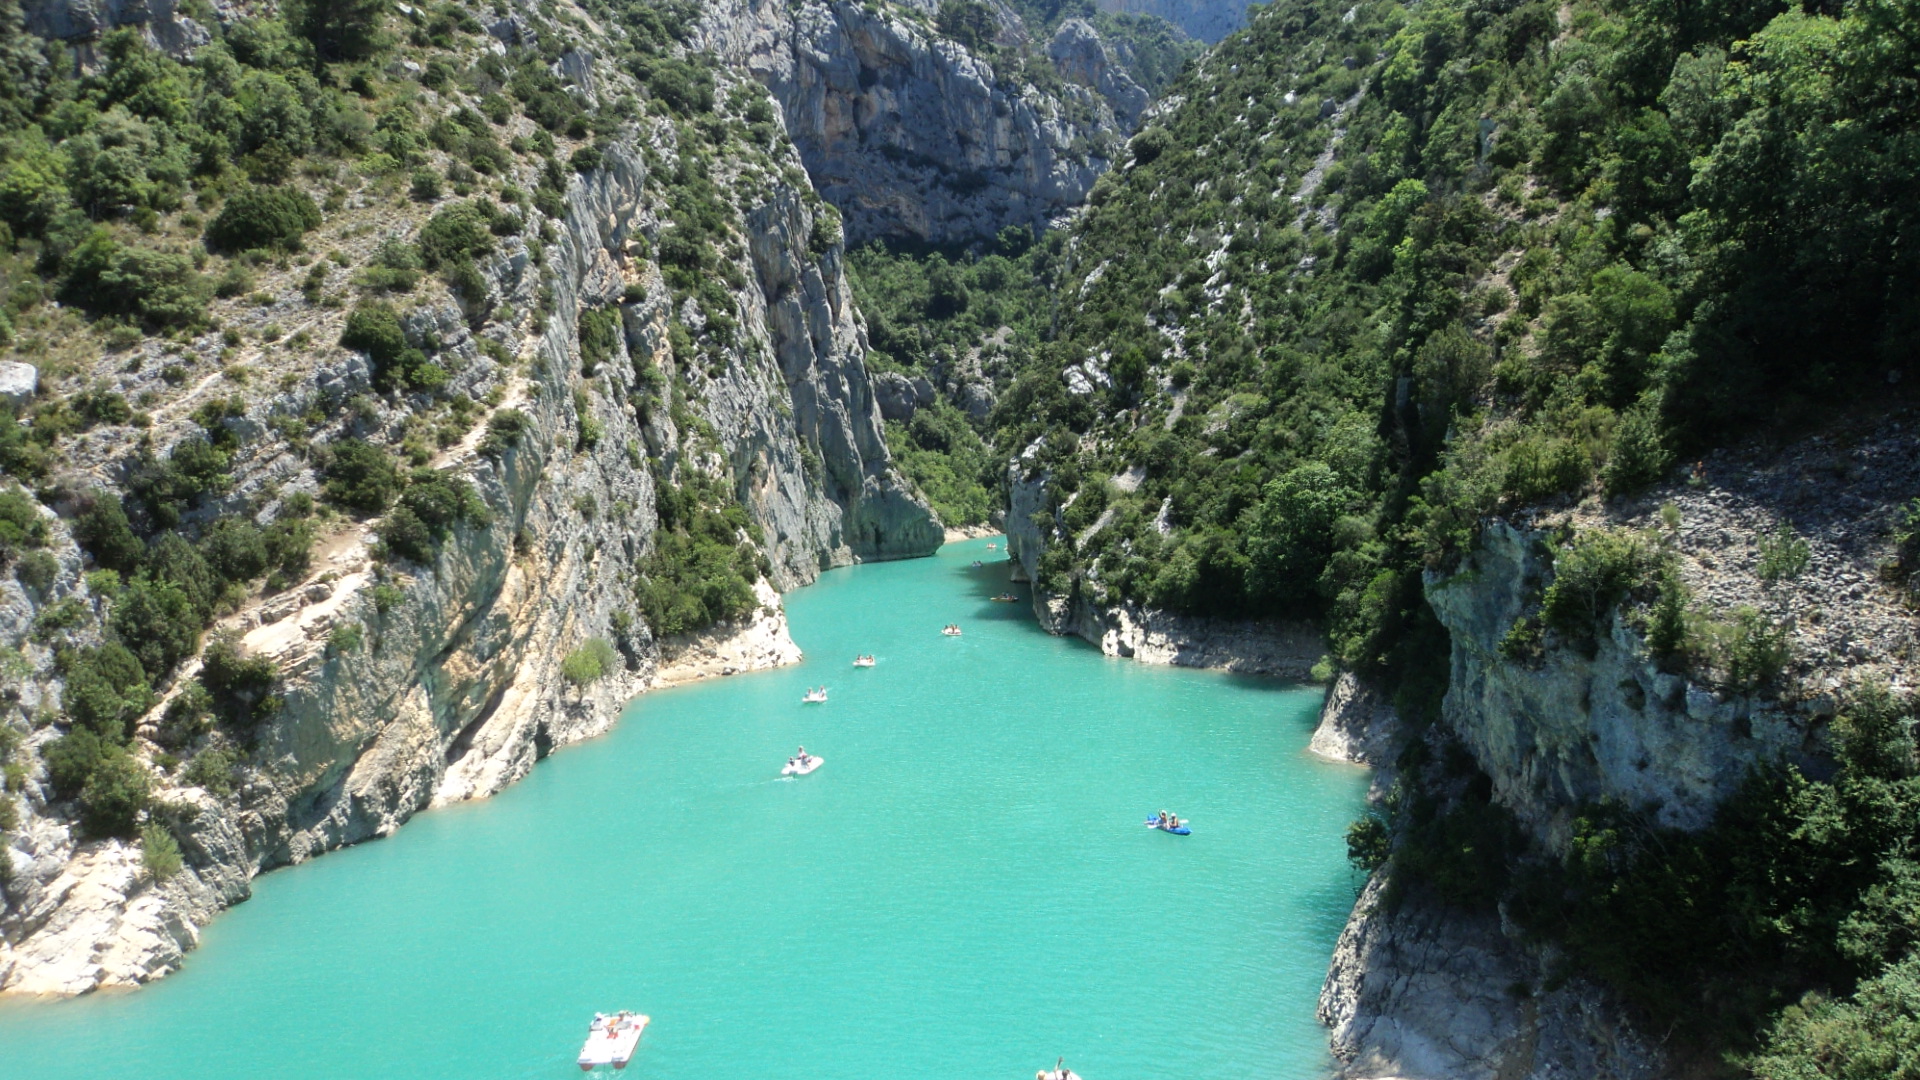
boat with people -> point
(1006, 598)
(977, 564)
(863, 661)
(612, 1039)
(993, 547)
(1058, 1072)
(950, 630)
(1169, 823)
(814, 696)
(802, 763)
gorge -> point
(1533, 376)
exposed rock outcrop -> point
(1421, 992)
(906, 131)
(1357, 725)
(81, 22)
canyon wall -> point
(451, 686)
(911, 134)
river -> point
(963, 890)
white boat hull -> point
(612, 1041)
(802, 770)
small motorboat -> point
(993, 547)
(1177, 830)
(863, 661)
(814, 697)
(950, 631)
(1006, 598)
(611, 1040)
(798, 767)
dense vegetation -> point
(704, 562)
(1556, 249)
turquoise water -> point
(963, 889)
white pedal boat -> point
(951, 631)
(611, 1040)
(863, 661)
(800, 768)
(814, 697)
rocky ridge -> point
(456, 690)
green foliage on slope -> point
(1542, 259)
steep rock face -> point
(1575, 730)
(81, 22)
(1357, 725)
(907, 132)
(1421, 991)
(1207, 20)
(1082, 57)
(1424, 993)
(1125, 629)
(456, 689)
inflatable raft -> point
(1178, 830)
(797, 768)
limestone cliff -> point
(911, 134)
(1419, 990)
(1206, 20)
(449, 685)
(1080, 606)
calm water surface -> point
(963, 890)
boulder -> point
(896, 394)
(18, 383)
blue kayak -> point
(1178, 830)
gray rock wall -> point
(1574, 730)
(907, 132)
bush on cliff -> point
(263, 217)
(589, 663)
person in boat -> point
(803, 755)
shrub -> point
(114, 795)
(239, 687)
(374, 328)
(600, 332)
(21, 525)
(156, 287)
(159, 852)
(212, 769)
(432, 505)
(589, 662)
(187, 717)
(71, 760)
(345, 638)
(236, 549)
(504, 429)
(36, 571)
(360, 476)
(263, 217)
(461, 231)
(340, 29)
(1783, 555)
(1590, 576)
(106, 690)
(156, 621)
